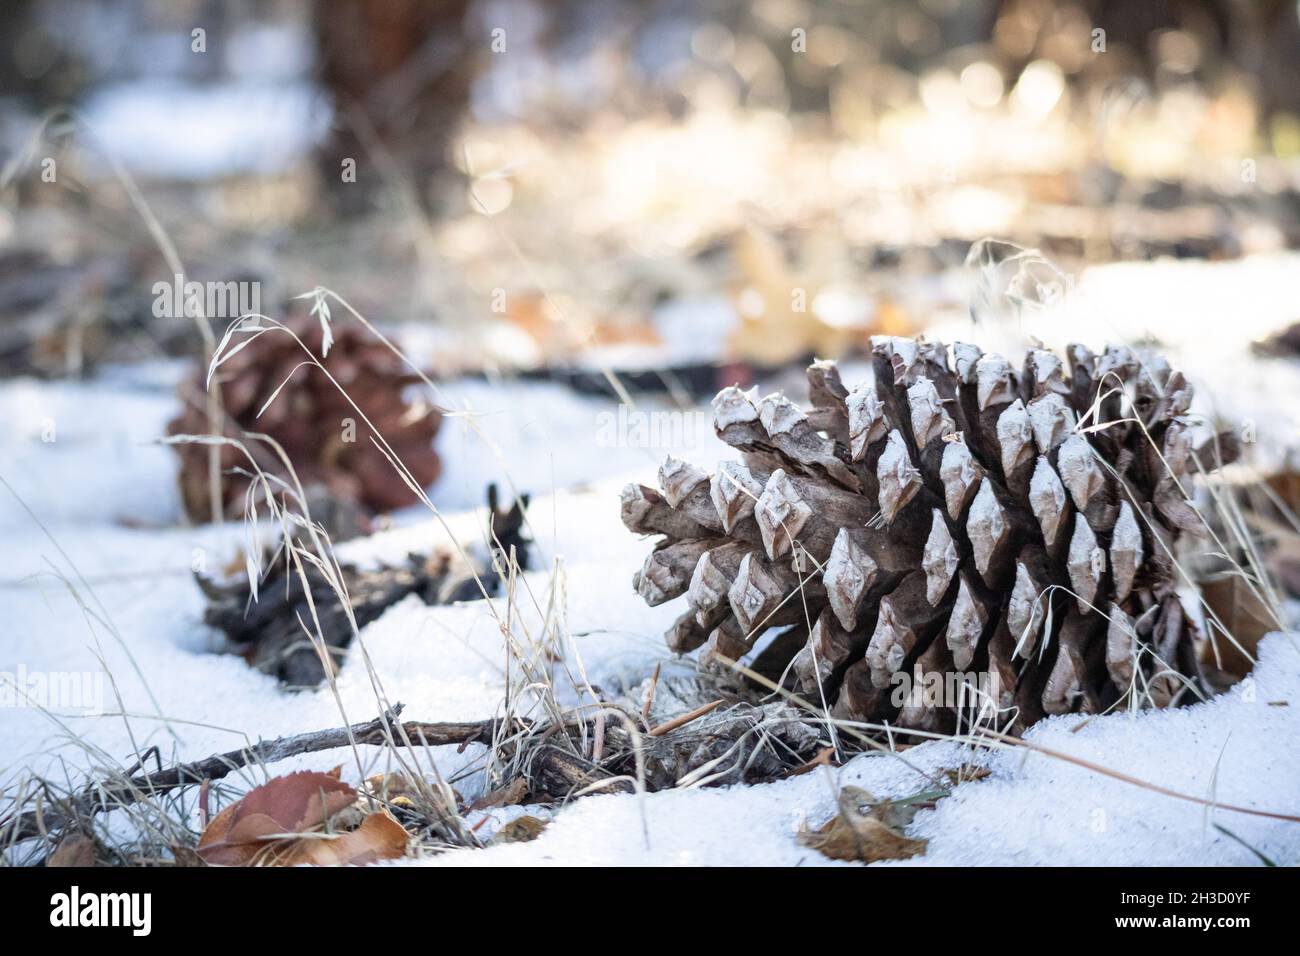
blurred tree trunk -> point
(1272, 55)
(400, 73)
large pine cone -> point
(322, 434)
(964, 523)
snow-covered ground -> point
(96, 578)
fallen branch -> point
(105, 796)
(552, 773)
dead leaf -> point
(249, 828)
(866, 829)
(184, 856)
(1284, 557)
(1246, 617)
(519, 830)
(379, 837)
(1276, 517)
(394, 789)
(966, 773)
(75, 850)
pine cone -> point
(322, 434)
(950, 522)
(268, 626)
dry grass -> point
(541, 662)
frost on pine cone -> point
(956, 518)
(320, 431)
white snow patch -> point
(1032, 810)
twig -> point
(650, 697)
(671, 725)
(823, 759)
(103, 796)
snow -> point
(1031, 810)
(185, 130)
(63, 461)
(108, 591)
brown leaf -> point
(825, 757)
(857, 832)
(1246, 617)
(184, 856)
(294, 803)
(75, 850)
(394, 789)
(1284, 557)
(966, 773)
(519, 830)
(379, 837)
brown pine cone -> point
(960, 522)
(328, 443)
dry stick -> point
(670, 725)
(650, 696)
(98, 797)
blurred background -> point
(625, 199)
(577, 219)
(543, 183)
